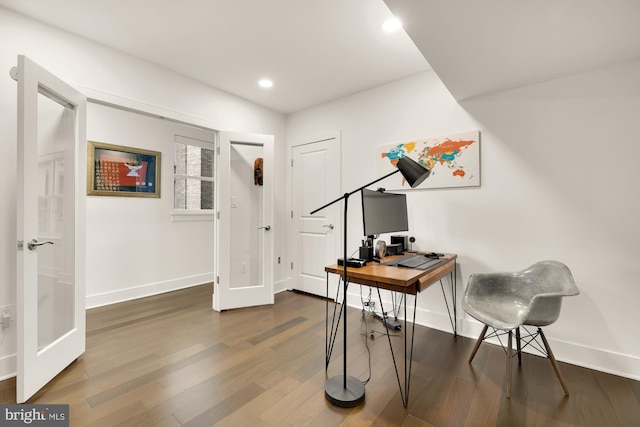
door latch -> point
(33, 244)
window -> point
(193, 176)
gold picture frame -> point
(116, 170)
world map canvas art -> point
(454, 160)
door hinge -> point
(218, 149)
(217, 279)
(291, 214)
(21, 245)
(291, 162)
(218, 215)
(292, 265)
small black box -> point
(366, 253)
(353, 262)
(403, 240)
(394, 249)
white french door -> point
(316, 238)
(50, 226)
(244, 221)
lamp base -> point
(348, 397)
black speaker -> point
(403, 240)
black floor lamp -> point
(343, 390)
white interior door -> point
(244, 223)
(50, 224)
(315, 182)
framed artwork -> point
(114, 170)
(454, 160)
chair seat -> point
(497, 313)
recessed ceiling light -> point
(391, 25)
(266, 83)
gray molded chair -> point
(507, 302)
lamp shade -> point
(412, 171)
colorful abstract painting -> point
(454, 160)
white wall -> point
(118, 76)
(559, 181)
(134, 248)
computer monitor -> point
(384, 212)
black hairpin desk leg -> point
(408, 347)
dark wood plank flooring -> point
(170, 360)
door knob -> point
(266, 227)
(33, 244)
(330, 226)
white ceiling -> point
(481, 47)
(319, 50)
(313, 50)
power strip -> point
(392, 324)
(389, 323)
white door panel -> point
(50, 216)
(316, 181)
(245, 243)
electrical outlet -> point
(6, 316)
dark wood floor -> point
(169, 360)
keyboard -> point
(414, 262)
(419, 262)
(395, 262)
(430, 263)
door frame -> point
(291, 235)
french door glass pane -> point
(247, 213)
(55, 221)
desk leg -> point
(408, 345)
(454, 291)
(453, 319)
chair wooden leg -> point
(518, 346)
(509, 364)
(478, 342)
(553, 362)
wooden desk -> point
(398, 279)
(408, 281)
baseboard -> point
(623, 365)
(600, 360)
(280, 286)
(120, 295)
(8, 367)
